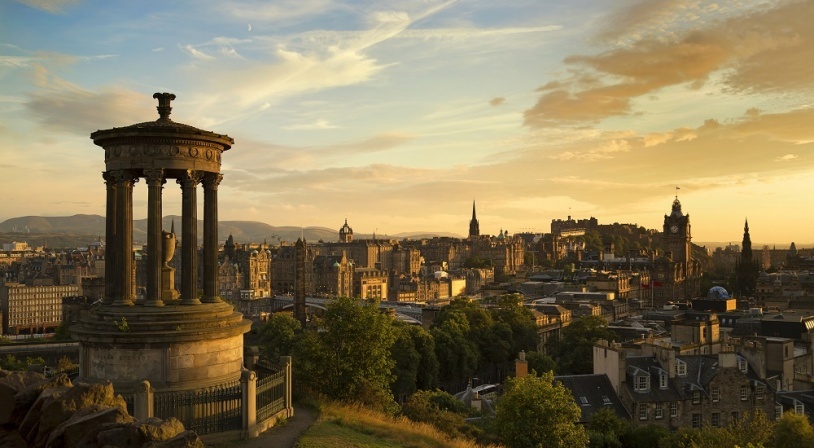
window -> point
(778, 411)
(760, 392)
(605, 399)
(715, 420)
(696, 420)
(642, 383)
(674, 409)
(696, 396)
(583, 400)
(659, 410)
(735, 417)
(642, 411)
(715, 394)
(681, 368)
(742, 365)
(744, 393)
(799, 407)
(663, 380)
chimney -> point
(521, 366)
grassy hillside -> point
(343, 425)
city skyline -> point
(397, 115)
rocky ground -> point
(48, 413)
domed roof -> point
(718, 292)
(163, 127)
(336, 264)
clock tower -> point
(677, 235)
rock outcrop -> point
(54, 413)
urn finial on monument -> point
(164, 108)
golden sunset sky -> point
(398, 114)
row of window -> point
(644, 410)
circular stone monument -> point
(176, 340)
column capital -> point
(212, 180)
(154, 176)
(190, 178)
(108, 178)
(124, 177)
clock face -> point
(674, 228)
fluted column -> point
(189, 237)
(210, 248)
(111, 244)
(155, 182)
(124, 230)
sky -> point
(397, 115)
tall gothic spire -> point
(746, 249)
(474, 226)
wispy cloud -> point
(52, 6)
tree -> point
(792, 431)
(606, 429)
(278, 335)
(348, 357)
(438, 408)
(416, 365)
(573, 351)
(61, 333)
(536, 411)
(510, 311)
(540, 362)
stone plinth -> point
(174, 347)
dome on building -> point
(337, 265)
(718, 292)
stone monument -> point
(176, 341)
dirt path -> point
(284, 436)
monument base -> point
(175, 347)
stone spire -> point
(474, 226)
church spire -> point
(746, 249)
(474, 226)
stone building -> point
(676, 275)
(32, 309)
(675, 391)
(333, 276)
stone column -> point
(143, 401)
(289, 392)
(248, 387)
(189, 237)
(155, 182)
(124, 240)
(210, 245)
(111, 244)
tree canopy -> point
(537, 411)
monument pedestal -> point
(174, 347)
(168, 279)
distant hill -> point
(80, 230)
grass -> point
(348, 425)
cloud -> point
(497, 101)
(197, 54)
(319, 124)
(61, 105)
(52, 6)
(747, 49)
(278, 11)
(786, 158)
